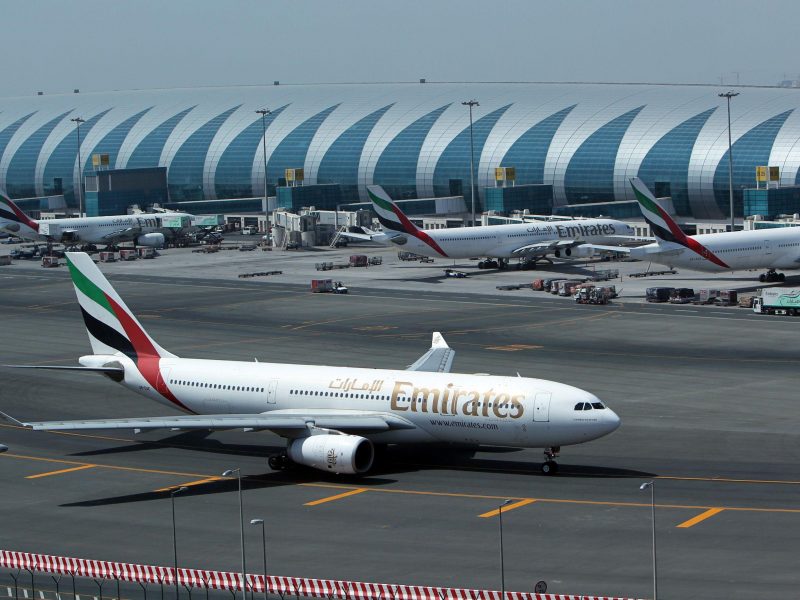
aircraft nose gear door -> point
(541, 406)
(272, 387)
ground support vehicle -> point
(777, 301)
(321, 286)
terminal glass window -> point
(749, 151)
(340, 163)
(454, 162)
(529, 152)
(148, 151)
(234, 175)
(21, 173)
(665, 169)
(291, 152)
(185, 175)
(590, 173)
(112, 141)
(396, 169)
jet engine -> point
(340, 454)
(580, 252)
(155, 240)
(11, 226)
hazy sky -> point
(55, 46)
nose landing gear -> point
(550, 466)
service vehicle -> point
(777, 301)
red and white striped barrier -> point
(292, 586)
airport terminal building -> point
(580, 141)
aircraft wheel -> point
(550, 467)
(782, 277)
(762, 278)
(481, 265)
(273, 463)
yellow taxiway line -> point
(188, 484)
(336, 497)
(512, 506)
(61, 471)
(701, 517)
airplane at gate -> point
(769, 249)
(527, 241)
(330, 416)
(145, 229)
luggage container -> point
(128, 254)
(359, 260)
(682, 296)
(658, 294)
(707, 296)
(5, 260)
(50, 261)
(148, 252)
(727, 298)
(567, 287)
(107, 257)
(538, 285)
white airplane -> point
(330, 416)
(769, 249)
(527, 241)
(144, 229)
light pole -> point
(264, 112)
(78, 121)
(175, 537)
(470, 104)
(651, 485)
(238, 473)
(264, 547)
(728, 96)
(502, 561)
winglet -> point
(438, 341)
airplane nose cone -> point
(612, 420)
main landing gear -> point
(279, 462)
(771, 276)
(490, 263)
(550, 466)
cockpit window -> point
(587, 406)
(579, 406)
(598, 405)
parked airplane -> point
(769, 249)
(330, 416)
(144, 229)
(527, 241)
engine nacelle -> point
(340, 454)
(155, 240)
(580, 252)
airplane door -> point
(767, 248)
(272, 387)
(541, 406)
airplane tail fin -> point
(111, 326)
(13, 216)
(663, 226)
(389, 214)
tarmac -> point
(706, 395)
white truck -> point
(777, 301)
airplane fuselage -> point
(755, 249)
(504, 241)
(441, 407)
(93, 230)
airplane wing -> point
(356, 236)
(546, 246)
(290, 420)
(122, 235)
(439, 359)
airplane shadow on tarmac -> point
(390, 462)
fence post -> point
(57, 582)
(144, 588)
(33, 585)
(118, 595)
(99, 585)
(16, 585)
(74, 592)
